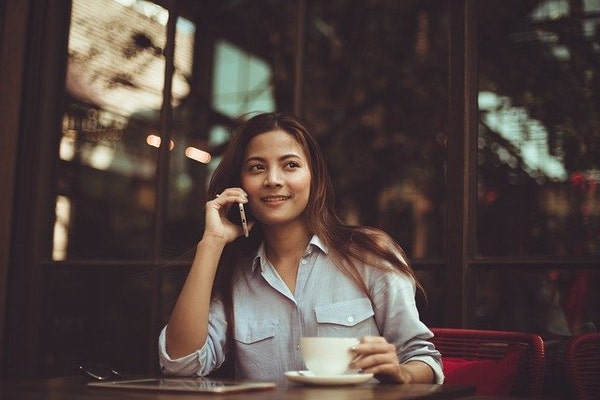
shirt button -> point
(350, 319)
(298, 346)
(303, 261)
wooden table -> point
(74, 388)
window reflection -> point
(114, 84)
(243, 82)
(553, 303)
(235, 76)
(61, 228)
(376, 81)
(539, 133)
(116, 56)
(112, 126)
(517, 139)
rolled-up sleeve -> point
(398, 320)
(206, 359)
(426, 353)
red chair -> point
(582, 365)
(485, 350)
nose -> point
(273, 178)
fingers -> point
(216, 222)
(373, 345)
(375, 355)
(224, 200)
(231, 195)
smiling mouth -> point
(272, 199)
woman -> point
(302, 272)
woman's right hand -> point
(187, 330)
(217, 225)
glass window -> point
(235, 72)
(106, 175)
(553, 303)
(243, 81)
(539, 130)
(108, 185)
(376, 91)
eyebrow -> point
(281, 158)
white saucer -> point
(344, 379)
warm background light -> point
(155, 141)
(198, 155)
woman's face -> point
(276, 176)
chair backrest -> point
(473, 344)
(582, 365)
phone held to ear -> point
(244, 220)
(240, 216)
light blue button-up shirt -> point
(270, 319)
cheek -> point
(248, 184)
(301, 184)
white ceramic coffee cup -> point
(327, 355)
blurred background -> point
(468, 131)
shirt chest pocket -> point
(255, 339)
(350, 318)
(248, 331)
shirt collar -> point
(261, 255)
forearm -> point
(187, 329)
(419, 372)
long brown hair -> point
(346, 243)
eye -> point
(293, 164)
(255, 167)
